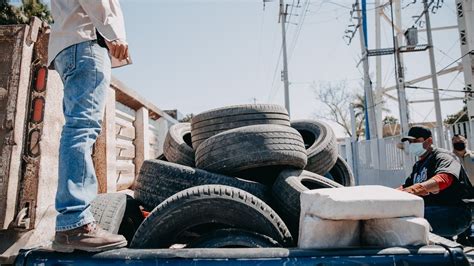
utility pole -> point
(400, 77)
(354, 143)
(367, 84)
(465, 13)
(378, 73)
(434, 78)
(282, 20)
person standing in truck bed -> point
(85, 69)
(440, 180)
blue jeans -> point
(85, 70)
(448, 221)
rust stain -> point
(41, 46)
(11, 44)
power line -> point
(450, 64)
(260, 64)
(425, 88)
(291, 10)
(275, 72)
(300, 26)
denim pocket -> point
(65, 62)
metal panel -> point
(426, 255)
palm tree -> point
(359, 109)
(359, 105)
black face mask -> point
(459, 146)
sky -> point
(194, 55)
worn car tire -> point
(177, 147)
(341, 173)
(213, 206)
(212, 122)
(233, 238)
(320, 141)
(287, 190)
(159, 180)
(108, 210)
(132, 219)
(252, 147)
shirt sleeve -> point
(446, 163)
(443, 180)
(107, 17)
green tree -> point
(22, 14)
(458, 117)
(35, 8)
(8, 13)
(390, 120)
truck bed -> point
(427, 255)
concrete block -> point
(360, 203)
(319, 233)
(391, 232)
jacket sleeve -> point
(107, 17)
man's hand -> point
(417, 189)
(118, 49)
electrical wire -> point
(271, 97)
(450, 64)
(443, 94)
(274, 91)
(274, 41)
(260, 65)
(274, 74)
(291, 12)
(300, 26)
(447, 89)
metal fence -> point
(381, 162)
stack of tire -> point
(232, 178)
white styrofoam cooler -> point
(363, 215)
(320, 233)
(360, 203)
(389, 232)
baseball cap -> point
(417, 132)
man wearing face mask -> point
(439, 179)
(466, 157)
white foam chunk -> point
(360, 203)
(320, 233)
(395, 232)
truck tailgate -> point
(426, 255)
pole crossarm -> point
(455, 27)
(432, 100)
(402, 49)
(423, 78)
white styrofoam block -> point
(360, 203)
(395, 232)
(319, 233)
